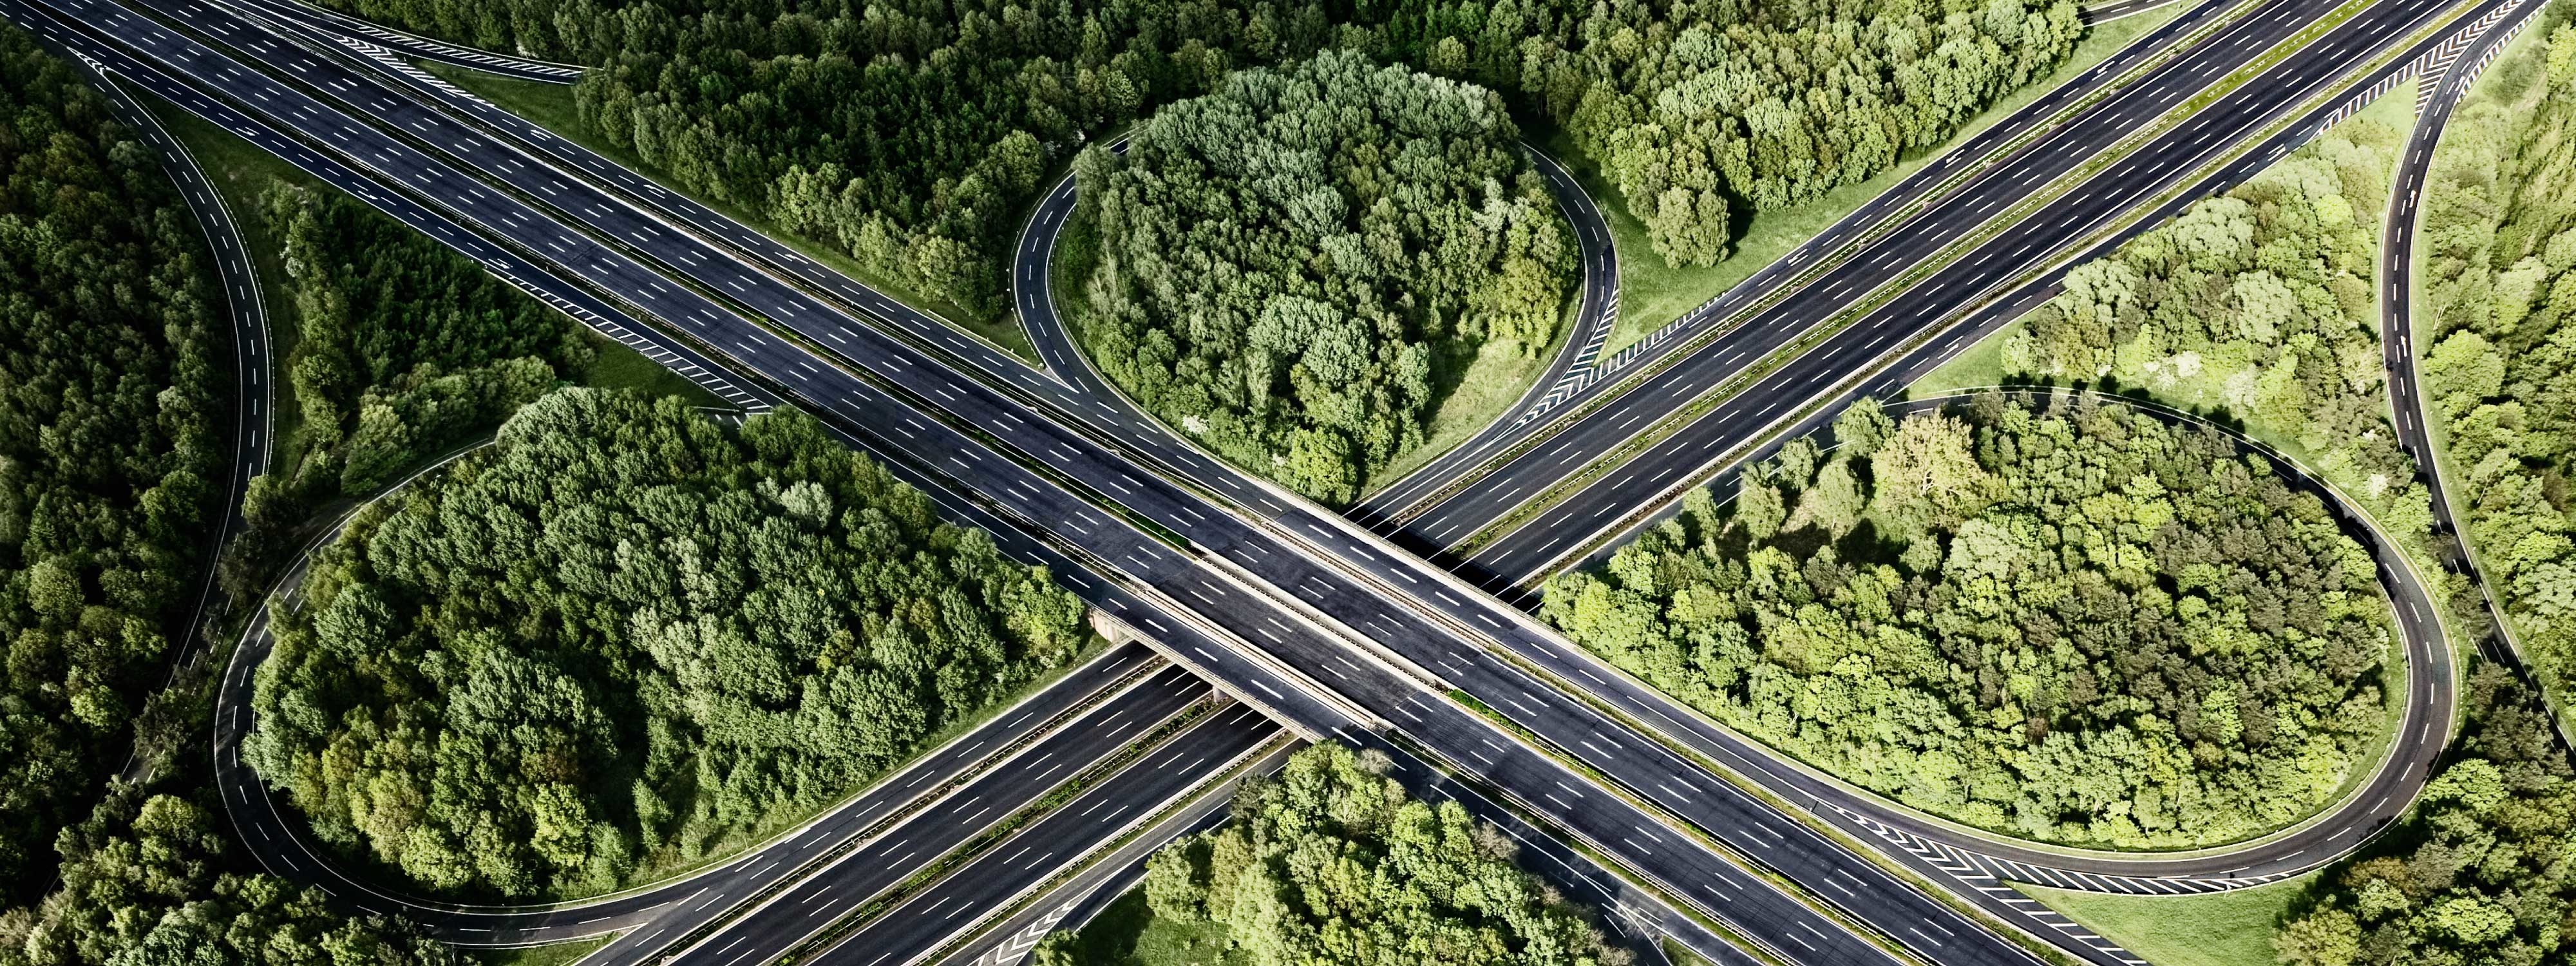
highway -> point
(1622, 457)
(782, 919)
(1634, 496)
(424, 48)
(1401, 641)
(1404, 498)
(937, 435)
(921, 917)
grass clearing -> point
(1652, 293)
(551, 954)
(551, 106)
(1127, 933)
(2220, 929)
(1476, 390)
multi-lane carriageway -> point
(1009, 479)
(1604, 482)
(1039, 432)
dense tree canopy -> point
(1331, 862)
(1697, 107)
(112, 432)
(404, 349)
(622, 631)
(912, 133)
(143, 885)
(2499, 256)
(2479, 871)
(2259, 303)
(1277, 259)
(2073, 624)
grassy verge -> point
(552, 954)
(1652, 293)
(551, 106)
(1477, 390)
(2221, 929)
(1128, 933)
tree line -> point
(2498, 249)
(912, 133)
(113, 429)
(148, 880)
(623, 632)
(1280, 261)
(2260, 303)
(2067, 622)
(404, 349)
(1331, 861)
(113, 432)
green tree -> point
(114, 430)
(623, 633)
(143, 884)
(2113, 632)
(1281, 260)
(2473, 875)
(1334, 862)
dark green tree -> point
(1281, 260)
(114, 428)
(623, 632)
(2076, 625)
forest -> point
(1330, 861)
(2063, 621)
(622, 631)
(913, 133)
(1280, 260)
(114, 428)
(398, 356)
(114, 425)
(145, 883)
(2261, 304)
(2478, 871)
(2496, 333)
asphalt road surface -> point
(1010, 477)
(1024, 438)
(1584, 437)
